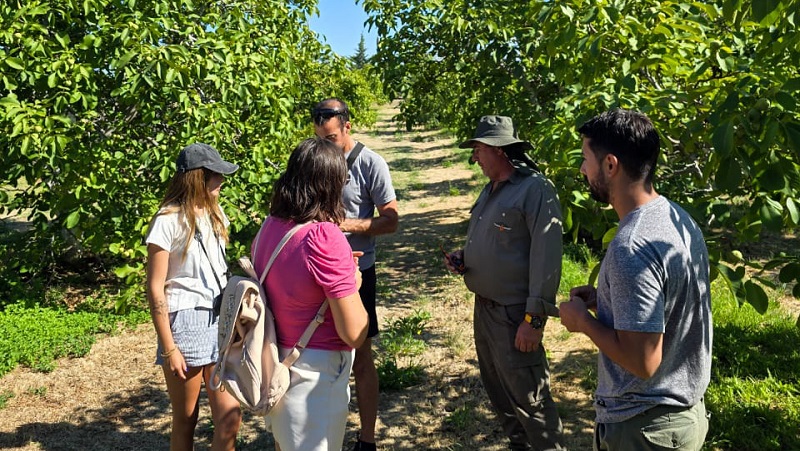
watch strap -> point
(530, 320)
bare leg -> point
(366, 377)
(225, 412)
(184, 396)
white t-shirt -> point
(190, 281)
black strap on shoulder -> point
(353, 155)
(217, 301)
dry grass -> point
(115, 397)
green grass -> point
(36, 337)
(461, 418)
(575, 268)
(754, 396)
(398, 342)
(4, 397)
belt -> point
(549, 309)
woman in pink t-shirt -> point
(316, 264)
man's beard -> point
(598, 190)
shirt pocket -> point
(508, 225)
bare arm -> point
(157, 264)
(385, 222)
(638, 352)
(350, 319)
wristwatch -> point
(536, 322)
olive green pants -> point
(517, 383)
(660, 428)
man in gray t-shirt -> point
(653, 325)
(368, 189)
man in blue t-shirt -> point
(369, 188)
(653, 298)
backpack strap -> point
(354, 154)
(278, 248)
(319, 318)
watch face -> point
(536, 322)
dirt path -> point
(116, 399)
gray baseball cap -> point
(199, 155)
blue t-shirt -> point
(654, 278)
(370, 185)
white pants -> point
(312, 415)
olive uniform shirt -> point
(513, 249)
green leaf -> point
(567, 219)
(124, 271)
(609, 236)
(72, 219)
(756, 296)
(569, 12)
(789, 272)
(772, 179)
(594, 274)
(735, 276)
(723, 139)
(14, 63)
(794, 213)
(730, 8)
(792, 130)
(763, 8)
(786, 100)
(729, 175)
(771, 214)
(125, 59)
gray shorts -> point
(195, 335)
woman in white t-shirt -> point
(185, 271)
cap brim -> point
(491, 141)
(223, 167)
(466, 144)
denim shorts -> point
(195, 335)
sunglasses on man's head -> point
(323, 114)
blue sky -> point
(341, 23)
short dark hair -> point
(330, 108)
(311, 187)
(628, 135)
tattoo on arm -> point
(160, 307)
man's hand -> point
(528, 338)
(448, 261)
(588, 294)
(574, 313)
(357, 254)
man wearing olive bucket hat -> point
(512, 262)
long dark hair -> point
(311, 188)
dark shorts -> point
(367, 293)
(660, 428)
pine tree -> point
(360, 58)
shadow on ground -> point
(127, 421)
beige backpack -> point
(249, 366)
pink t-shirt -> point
(315, 264)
